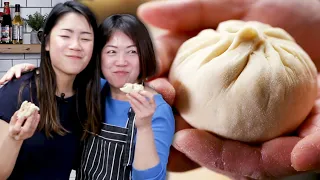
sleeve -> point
(9, 100)
(9, 96)
(163, 126)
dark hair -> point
(86, 83)
(138, 33)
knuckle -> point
(25, 131)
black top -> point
(41, 157)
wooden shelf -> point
(19, 48)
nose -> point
(121, 60)
(75, 44)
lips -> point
(75, 57)
(121, 73)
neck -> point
(65, 84)
(117, 94)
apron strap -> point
(104, 93)
(129, 148)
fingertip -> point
(30, 66)
(164, 87)
(305, 156)
(141, 11)
(181, 139)
(145, 10)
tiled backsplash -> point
(27, 7)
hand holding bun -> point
(245, 81)
(24, 122)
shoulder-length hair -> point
(86, 84)
(138, 33)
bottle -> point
(1, 14)
(17, 27)
(6, 28)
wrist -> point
(144, 129)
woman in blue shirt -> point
(138, 128)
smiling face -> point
(120, 60)
(70, 44)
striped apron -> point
(109, 155)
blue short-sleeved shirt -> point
(41, 157)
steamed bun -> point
(246, 81)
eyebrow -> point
(117, 47)
(82, 32)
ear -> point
(46, 41)
(47, 46)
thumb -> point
(167, 46)
(305, 155)
(173, 16)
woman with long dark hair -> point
(66, 88)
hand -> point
(23, 128)
(163, 87)
(16, 71)
(279, 157)
(282, 156)
(202, 14)
(204, 148)
(144, 107)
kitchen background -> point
(26, 7)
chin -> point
(116, 85)
(73, 71)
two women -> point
(137, 128)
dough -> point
(26, 109)
(128, 87)
(245, 81)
